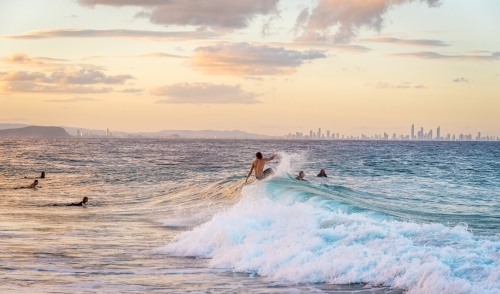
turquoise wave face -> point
(302, 232)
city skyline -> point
(420, 136)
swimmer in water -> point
(32, 186)
(42, 176)
(258, 164)
(322, 174)
(82, 203)
(301, 176)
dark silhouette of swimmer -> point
(258, 164)
(32, 186)
(82, 203)
(301, 176)
(322, 174)
(42, 176)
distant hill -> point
(235, 134)
(35, 132)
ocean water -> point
(174, 216)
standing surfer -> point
(258, 164)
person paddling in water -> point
(32, 186)
(258, 164)
(82, 203)
(301, 176)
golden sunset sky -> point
(262, 66)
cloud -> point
(461, 80)
(405, 85)
(259, 79)
(214, 14)
(382, 85)
(30, 87)
(438, 56)
(204, 93)
(59, 81)
(115, 33)
(132, 91)
(244, 59)
(18, 58)
(46, 64)
(23, 58)
(158, 54)
(87, 76)
(74, 99)
(145, 55)
(406, 42)
(323, 45)
(24, 76)
(347, 16)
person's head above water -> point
(42, 176)
(258, 155)
(85, 200)
(36, 182)
(300, 176)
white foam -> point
(288, 162)
(303, 242)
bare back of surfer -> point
(258, 165)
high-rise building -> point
(78, 134)
(478, 136)
(413, 131)
(107, 132)
(328, 134)
(319, 133)
(438, 133)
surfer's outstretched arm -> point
(270, 158)
(249, 173)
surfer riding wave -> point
(258, 165)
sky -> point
(263, 66)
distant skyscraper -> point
(107, 132)
(438, 133)
(328, 134)
(478, 136)
(319, 133)
(413, 131)
(310, 134)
